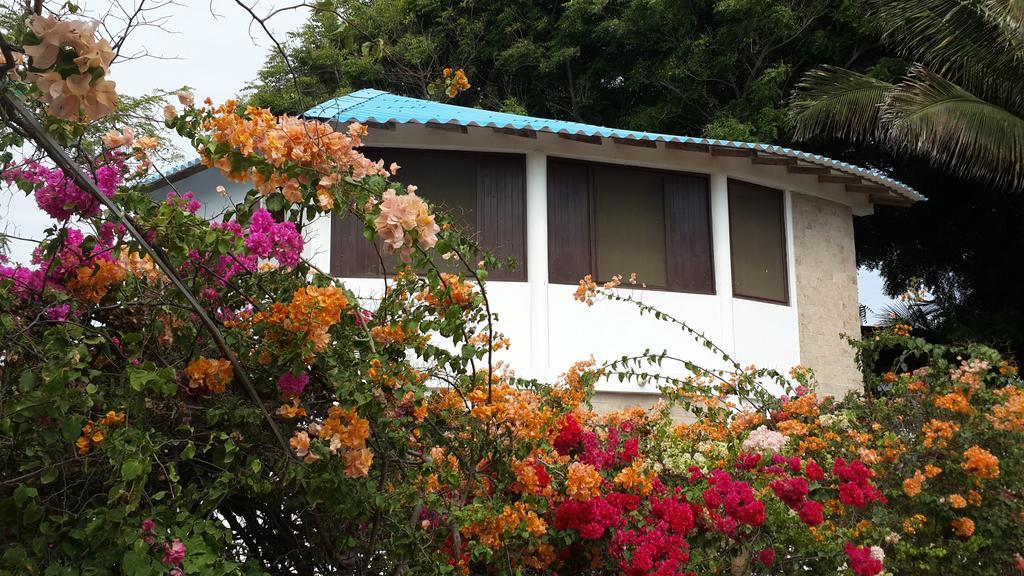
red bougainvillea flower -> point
(814, 471)
(811, 513)
(731, 503)
(590, 519)
(861, 560)
(747, 460)
(855, 488)
(791, 491)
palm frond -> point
(930, 115)
(1012, 10)
(836, 102)
(921, 316)
(975, 43)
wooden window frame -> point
(785, 245)
(592, 221)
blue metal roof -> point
(170, 172)
(371, 105)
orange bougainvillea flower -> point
(583, 481)
(92, 435)
(954, 402)
(84, 445)
(452, 291)
(307, 319)
(300, 444)
(980, 462)
(528, 476)
(291, 411)
(1009, 415)
(931, 471)
(309, 143)
(343, 429)
(634, 479)
(957, 501)
(209, 373)
(964, 527)
(91, 283)
(357, 462)
(586, 291)
(915, 522)
(912, 485)
(113, 418)
(937, 433)
(455, 83)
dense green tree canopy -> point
(720, 68)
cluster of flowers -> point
(398, 216)
(455, 82)
(606, 486)
(69, 66)
(95, 433)
(305, 161)
(57, 195)
(210, 375)
(66, 264)
(302, 323)
(174, 551)
(342, 431)
(263, 239)
(304, 154)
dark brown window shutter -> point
(568, 222)
(757, 238)
(352, 255)
(688, 239)
(501, 211)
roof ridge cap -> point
(378, 94)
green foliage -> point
(957, 246)
(960, 106)
(721, 69)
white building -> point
(750, 244)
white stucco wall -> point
(548, 329)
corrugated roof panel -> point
(371, 105)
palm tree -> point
(961, 103)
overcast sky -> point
(214, 47)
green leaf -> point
(27, 380)
(23, 493)
(49, 474)
(137, 564)
(132, 469)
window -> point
(607, 220)
(757, 235)
(486, 192)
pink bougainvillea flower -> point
(174, 552)
(292, 384)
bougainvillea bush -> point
(310, 432)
